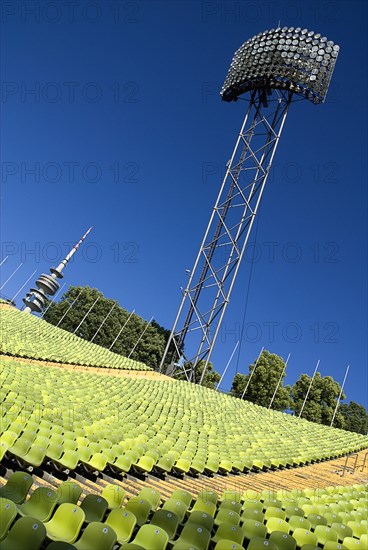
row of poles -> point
(72, 304)
(145, 329)
(280, 380)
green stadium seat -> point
(17, 487)
(193, 536)
(94, 508)
(114, 495)
(182, 495)
(123, 463)
(178, 507)
(164, 464)
(299, 522)
(253, 528)
(150, 537)
(68, 461)
(231, 505)
(330, 545)
(40, 504)
(230, 532)
(293, 511)
(358, 528)
(167, 521)
(332, 518)
(304, 536)
(8, 513)
(227, 516)
(252, 504)
(316, 519)
(284, 541)
(151, 495)
(123, 522)
(26, 534)
(66, 523)
(342, 531)
(204, 506)
(140, 507)
(252, 513)
(353, 544)
(96, 536)
(208, 496)
(325, 534)
(228, 545)
(277, 524)
(68, 491)
(259, 543)
(201, 518)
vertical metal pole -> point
(69, 308)
(227, 366)
(88, 312)
(251, 374)
(58, 292)
(122, 328)
(338, 401)
(101, 325)
(8, 279)
(141, 336)
(192, 272)
(310, 385)
(23, 285)
(249, 229)
(279, 382)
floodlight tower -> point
(35, 299)
(267, 71)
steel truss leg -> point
(212, 278)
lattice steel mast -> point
(272, 67)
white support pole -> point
(23, 285)
(310, 385)
(279, 382)
(102, 324)
(338, 401)
(4, 260)
(14, 272)
(141, 336)
(251, 374)
(58, 292)
(86, 315)
(122, 328)
(227, 366)
(69, 308)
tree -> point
(322, 399)
(210, 378)
(355, 417)
(269, 372)
(150, 346)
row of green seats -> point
(231, 520)
(97, 423)
(29, 336)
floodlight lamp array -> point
(285, 58)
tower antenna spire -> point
(47, 285)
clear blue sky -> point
(125, 131)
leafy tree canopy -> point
(268, 373)
(322, 399)
(150, 346)
(355, 417)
